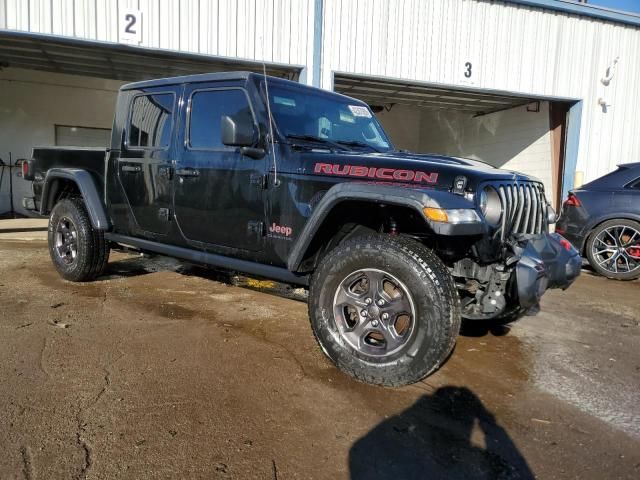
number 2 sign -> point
(130, 27)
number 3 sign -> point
(130, 27)
(468, 73)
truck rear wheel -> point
(384, 309)
(78, 251)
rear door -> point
(219, 197)
(144, 166)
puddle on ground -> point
(170, 310)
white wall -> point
(512, 139)
(512, 48)
(32, 103)
(271, 30)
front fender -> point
(87, 186)
(388, 195)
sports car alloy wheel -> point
(617, 249)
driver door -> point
(217, 200)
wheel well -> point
(59, 188)
(350, 219)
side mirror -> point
(237, 132)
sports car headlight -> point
(490, 205)
(452, 215)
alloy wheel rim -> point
(617, 249)
(374, 312)
(66, 240)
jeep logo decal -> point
(279, 231)
(381, 173)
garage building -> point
(547, 87)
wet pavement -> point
(163, 370)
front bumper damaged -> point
(544, 261)
(530, 265)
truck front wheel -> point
(384, 309)
(78, 252)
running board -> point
(198, 256)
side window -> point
(150, 125)
(635, 184)
(207, 107)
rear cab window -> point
(151, 121)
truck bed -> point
(90, 159)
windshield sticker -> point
(289, 102)
(347, 117)
(360, 111)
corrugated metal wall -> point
(511, 47)
(278, 31)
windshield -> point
(304, 114)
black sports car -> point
(602, 220)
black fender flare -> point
(87, 186)
(382, 194)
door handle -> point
(131, 168)
(187, 172)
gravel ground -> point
(163, 370)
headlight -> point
(452, 215)
(490, 205)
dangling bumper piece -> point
(545, 261)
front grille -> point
(524, 208)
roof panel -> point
(583, 9)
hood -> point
(427, 170)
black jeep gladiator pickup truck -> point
(277, 179)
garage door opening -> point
(526, 134)
(62, 91)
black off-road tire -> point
(590, 245)
(437, 308)
(92, 250)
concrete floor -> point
(23, 229)
(161, 370)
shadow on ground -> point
(448, 434)
(134, 266)
(482, 328)
(145, 264)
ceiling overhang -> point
(383, 92)
(117, 61)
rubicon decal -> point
(382, 173)
(280, 231)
